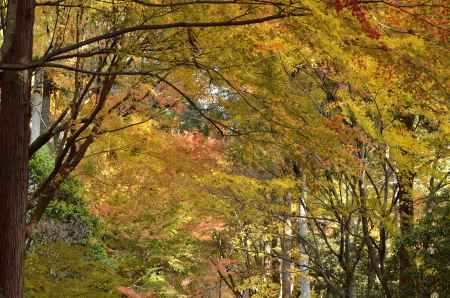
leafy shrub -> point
(431, 242)
(67, 217)
(67, 270)
(41, 165)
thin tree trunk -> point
(304, 285)
(36, 105)
(286, 264)
(372, 256)
(406, 212)
(15, 113)
(383, 232)
(45, 111)
(267, 261)
(275, 262)
(349, 288)
(370, 277)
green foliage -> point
(63, 270)
(156, 265)
(40, 165)
(66, 217)
(431, 245)
(70, 206)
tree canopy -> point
(216, 148)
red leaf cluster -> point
(360, 14)
(200, 146)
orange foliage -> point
(203, 231)
(130, 293)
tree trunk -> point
(286, 264)
(36, 105)
(46, 93)
(267, 261)
(349, 290)
(15, 110)
(372, 256)
(406, 213)
(275, 262)
(304, 285)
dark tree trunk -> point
(349, 288)
(406, 212)
(15, 113)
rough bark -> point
(15, 113)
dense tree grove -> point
(224, 148)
